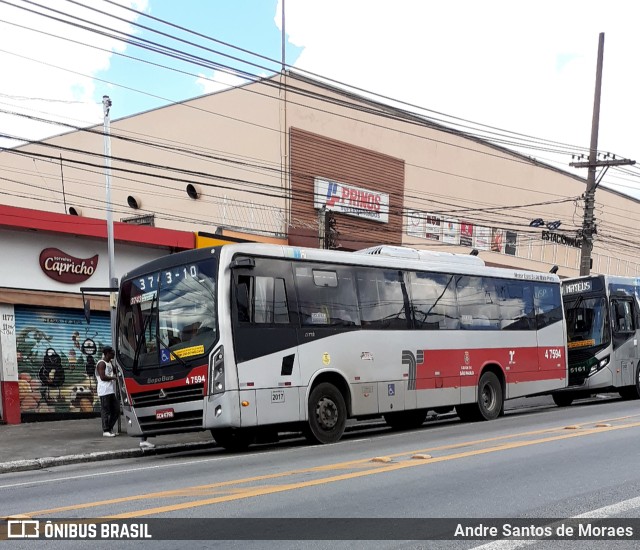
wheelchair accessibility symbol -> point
(391, 388)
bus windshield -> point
(587, 324)
(167, 316)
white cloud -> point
(218, 81)
(525, 67)
(66, 95)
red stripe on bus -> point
(157, 382)
(447, 368)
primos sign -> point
(62, 267)
(561, 239)
(352, 201)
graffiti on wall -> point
(57, 354)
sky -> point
(528, 68)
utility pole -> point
(330, 231)
(113, 282)
(588, 224)
(322, 220)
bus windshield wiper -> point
(577, 304)
(136, 354)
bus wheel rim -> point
(327, 413)
(488, 397)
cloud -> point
(218, 81)
(529, 68)
(33, 83)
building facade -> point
(266, 158)
(48, 348)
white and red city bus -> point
(250, 339)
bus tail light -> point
(216, 376)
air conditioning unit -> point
(421, 255)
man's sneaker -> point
(108, 434)
(147, 445)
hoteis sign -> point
(64, 268)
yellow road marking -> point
(261, 491)
(327, 467)
(230, 490)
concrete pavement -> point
(35, 445)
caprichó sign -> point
(65, 268)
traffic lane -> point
(433, 490)
(359, 470)
(164, 473)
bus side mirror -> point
(243, 262)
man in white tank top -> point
(106, 377)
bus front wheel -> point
(563, 399)
(327, 414)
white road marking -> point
(181, 463)
(111, 472)
(604, 512)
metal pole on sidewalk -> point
(113, 281)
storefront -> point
(48, 349)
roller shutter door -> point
(57, 354)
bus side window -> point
(261, 300)
(242, 299)
(478, 303)
(433, 301)
(327, 296)
(381, 295)
(516, 305)
(548, 304)
(280, 308)
(623, 321)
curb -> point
(52, 461)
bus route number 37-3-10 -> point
(552, 353)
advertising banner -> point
(350, 200)
(466, 234)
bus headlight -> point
(602, 363)
(216, 373)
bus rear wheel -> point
(563, 399)
(405, 420)
(234, 440)
(327, 414)
(490, 401)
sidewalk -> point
(35, 445)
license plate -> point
(163, 414)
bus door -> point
(551, 336)
(625, 340)
(264, 317)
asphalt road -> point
(535, 462)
